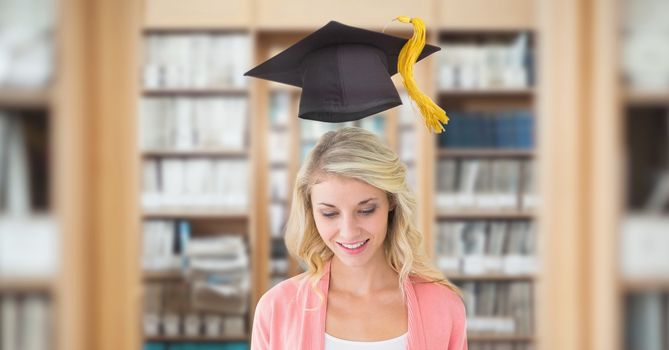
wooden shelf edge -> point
(25, 98)
(444, 215)
(169, 92)
(203, 339)
(186, 213)
(491, 277)
(486, 152)
(500, 337)
(523, 92)
(26, 285)
(223, 153)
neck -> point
(362, 280)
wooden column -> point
(579, 146)
(96, 177)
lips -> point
(354, 247)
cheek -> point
(326, 227)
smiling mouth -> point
(354, 246)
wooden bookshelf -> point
(193, 214)
(195, 92)
(197, 339)
(23, 99)
(482, 93)
(491, 277)
(486, 153)
(481, 215)
(474, 337)
(197, 153)
(26, 285)
(634, 97)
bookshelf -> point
(643, 237)
(29, 231)
(484, 234)
(197, 151)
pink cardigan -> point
(436, 316)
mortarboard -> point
(344, 72)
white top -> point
(333, 343)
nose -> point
(349, 230)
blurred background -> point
(145, 182)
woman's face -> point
(351, 217)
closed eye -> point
(368, 211)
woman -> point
(369, 284)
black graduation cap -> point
(344, 71)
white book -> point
(469, 172)
(483, 190)
(9, 321)
(184, 129)
(200, 44)
(216, 246)
(173, 181)
(644, 245)
(277, 215)
(35, 323)
(280, 107)
(529, 190)
(278, 184)
(4, 129)
(506, 179)
(18, 174)
(407, 145)
(28, 247)
(241, 50)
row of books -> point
(494, 64)
(647, 321)
(198, 60)
(27, 45)
(171, 245)
(25, 322)
(186, 321)
(196, 346)
(28, 247)
(195, 183)
(186, 123)
(501, 184)
(504, 129)
(478, 247)
(644, 34)
(311, 131)
(177, 317)
(500, 346)
(644, 243)
(499, 307)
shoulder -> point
(438, 298)
(282, 293)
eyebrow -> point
(361, 202)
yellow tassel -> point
(433, 115)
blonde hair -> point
(359, 154)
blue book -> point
(184, 237)
(504, 130)
(154, 346)
(237, 346)
(469, 136)
(477, 131)
(524, 129)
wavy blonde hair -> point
(359, 154)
